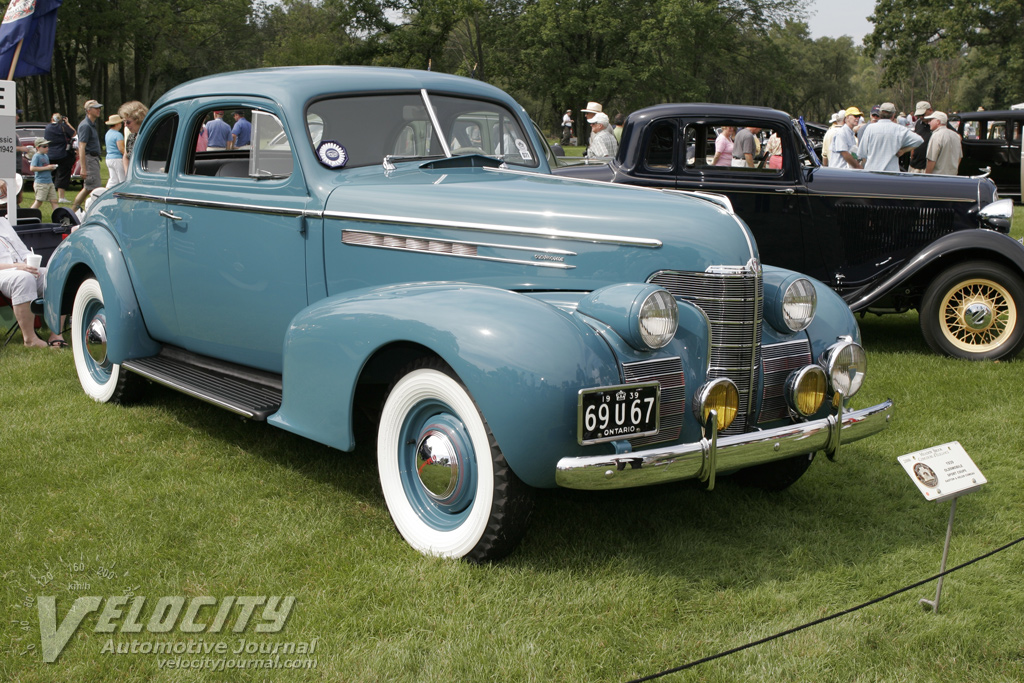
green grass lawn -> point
(171, 497)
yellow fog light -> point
(806, 389)
(720, 395)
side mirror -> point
(557, 150)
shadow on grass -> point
(892, 334)
(732, 535)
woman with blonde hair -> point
(131, 113)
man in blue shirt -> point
(88, 152)
(883, 142)
(241, 132)
(218, 133)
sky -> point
(835, 18)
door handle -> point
(787, 190)
(168, 214)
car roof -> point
(298, 85)
(709, 109)
(988, 115)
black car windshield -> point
(404, 126)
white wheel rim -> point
(84, 364)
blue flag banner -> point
(33, 25)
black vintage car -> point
(991, 143)
(886, 242)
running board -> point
(252, 395)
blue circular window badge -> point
(331, 154)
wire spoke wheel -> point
(971, 311)
(977, 315)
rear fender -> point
(91, 251)
(944, 252)
(521, 359)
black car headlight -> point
(645, 316)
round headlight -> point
(659, 318)
(846, 364)
(806, 389)
(720, 395)
(798, 305)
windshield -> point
(402, 126)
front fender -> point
(521, 359)
(92, 251)
(942, 253)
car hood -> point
(535, 229)
(885, 184)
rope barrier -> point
(787, 632)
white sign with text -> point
(943, 472)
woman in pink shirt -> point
(723, 147)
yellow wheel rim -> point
(977, 315)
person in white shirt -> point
(844, 144)
(21, 283)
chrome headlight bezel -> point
(846, 364)
(797, 386)
(799, 304)
(712, 391)
(645, 316)
(658, 319)
(790, 301)
(998, 215)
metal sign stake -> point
(934, 604)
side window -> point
(997, 130)
(157, 156)
(743, 147)
(237, 143)
(660, 152)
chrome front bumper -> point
(704, 458)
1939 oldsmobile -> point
(886, 242)
(398, 233)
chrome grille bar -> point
(733, 303)
(669, 373)
(778, 361)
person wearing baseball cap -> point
(844, 144)
(42, 182)
(944, 147)
(918, 158)
(837, 120)
(88, 152)
(602, 141)
(882, 143)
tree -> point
(983, 37)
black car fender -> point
(917, 272)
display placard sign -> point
(943, 472)
(8, 134)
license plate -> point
(626, 411)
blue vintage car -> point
(391, 246)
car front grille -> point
(669, 373)
(733, 303)
(777, 362)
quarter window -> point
(157, 156)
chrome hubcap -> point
(438, 465)
(96, 338)
(977, 316)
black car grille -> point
(669, 372)
(874, 232)
(733, 303)
(778, 361)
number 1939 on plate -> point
(626, 411)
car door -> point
(237, 239)
(770, 196)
